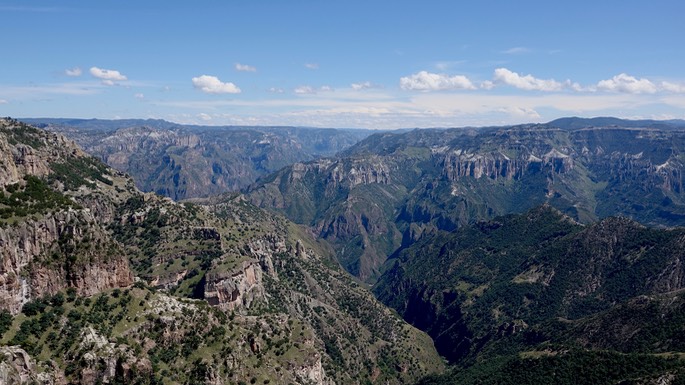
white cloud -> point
(309, 90)
(627, 84)
(672, 87)
(361, 86)
(385, 109)
(3, 101)
(73, 72)
(516, 50)
(245, 67)
(212, 85)
(302, 90)
(575, 86)
(139, 96)
(312, 66)
(527, 82)
(276, 90)
(426, 81)
(108, 77)
(204, 116)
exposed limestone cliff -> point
(459, 163)
(52, 234)
(32, 265)
(373, 170)
(312, 372)
(237, 289)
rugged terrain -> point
(503, 295)
(101, 283)
(197, 161)
(390, 189)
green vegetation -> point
(539, 282)
(21, 133)
(288, 308)
(573, 368)
(79, 171)
(30, 197)
(5, 321)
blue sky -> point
(371, 64)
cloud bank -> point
(627, 84)
(309, 90)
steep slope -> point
(349, 202)
(53, 200)
(426, 180)
(543, 283)
(224, 292)
(194, 161)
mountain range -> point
(384, 192)
(182, 161)
(537, 253)
(101, 283)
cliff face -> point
(185, 162)
(389, 190)
(19, 159)
(460, 164)
(45, 256)
(50, 238)
(235, 290)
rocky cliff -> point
(48, 241)
(190, 161)
(118, 286)
(60, 250)
(389, 190)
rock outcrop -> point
(236, 289)
(18, 368)
(54, 237)
(459, 163)
(190, 161)
(62, 249)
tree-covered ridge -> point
(30, 197)
(541, 282)
(574, 367)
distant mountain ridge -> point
(389, 189)
(182, 161)
(576, 123)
